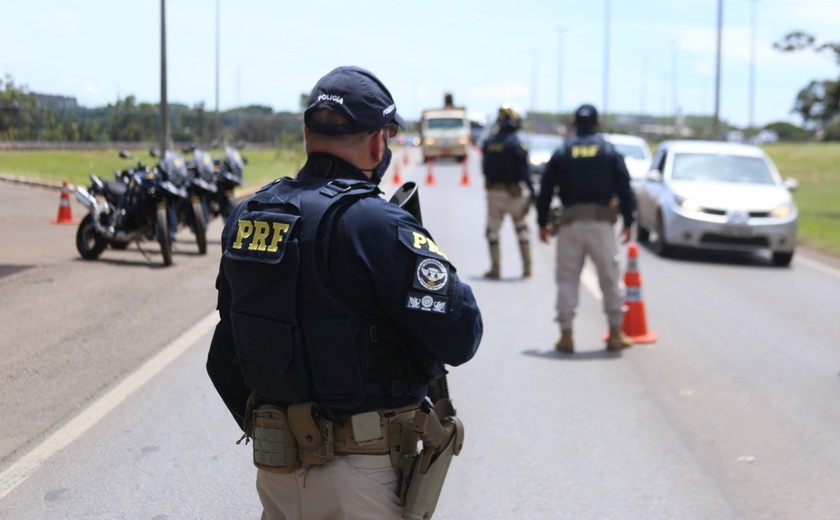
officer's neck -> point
(323, 164)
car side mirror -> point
(654, 175)
(791, 184)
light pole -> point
(534, 82)
(716, 119)
(674, 103)
(643, 101)
(561, 33)
(164, 105)
(606, 56)
(216, 123)
(752, 63)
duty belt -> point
(596, 212)
(513, 188)
(286, 437)
(371, 433)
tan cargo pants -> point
(351, 487)
(505, 199)
(597, 240)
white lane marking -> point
(819, 266)
(85, 420)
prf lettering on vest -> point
(584, 152)
(421, 240)
(257, 232)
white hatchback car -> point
(636, 155)
(717, 195)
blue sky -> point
(661, 53)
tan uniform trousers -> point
(576, 241)
(349, 488)
(502, 201)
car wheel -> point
(782, 259)
(642, 234)
(661, 247)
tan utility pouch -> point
(275, 447)
(314, 433)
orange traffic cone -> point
(465, 176)
(65, 212)
(397, 178)
(635, 323)
(430, 172)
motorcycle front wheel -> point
(88, 241)
(227, 205)
(163, 236)
(200, 228)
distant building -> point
(57, 103)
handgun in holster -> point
(442, 435)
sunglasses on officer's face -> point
(392, 129)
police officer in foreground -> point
(587, 174)
(336, 310)
(505, 167)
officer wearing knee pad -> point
(505, 167)
(336, 310)
(587, 174)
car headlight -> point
(430, 140)
(782, 210)
(688, 205)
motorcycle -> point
(201, 189)
(131, 208)
(228, 177)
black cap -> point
(586, 114)
(356, 94)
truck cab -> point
(445, 132)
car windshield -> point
(444, 123)
(721, 168)
(546, 144)
(630, 150)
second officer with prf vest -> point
(505, 167)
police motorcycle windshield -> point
(174, 168)
(205, 173)
(234, 160)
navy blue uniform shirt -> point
(505, 159)
(386, 266)
(587, 170)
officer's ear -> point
(377, 148)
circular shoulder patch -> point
(432, 274)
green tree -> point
(787, 131)
(819, 101)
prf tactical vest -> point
(295, 340)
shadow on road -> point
(584, 355)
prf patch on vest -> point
(427, 302)
(420, 244)
(260, 236)
(584, 151)
(432, 273)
